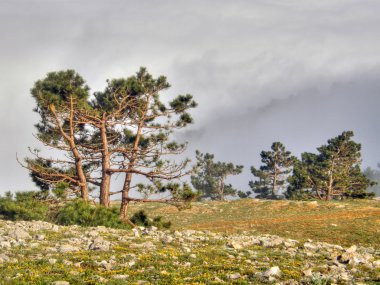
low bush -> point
(22, 206)
(79, 212)
(140, 218)
(29, 206)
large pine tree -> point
(145, 124)
(124, 129)
(332, 173)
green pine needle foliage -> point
(141, 218)
(22, 206)
(79, 212)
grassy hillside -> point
(345, 223)
(198, 251)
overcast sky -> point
(295, 71)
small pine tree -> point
(374, 174)
(272, 175)
(210, 177)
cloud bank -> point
(292, 70)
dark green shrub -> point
(79, 212)
(22, 206)
(140, 218)
(159, 223)
(361, 195)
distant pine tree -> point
(332, 173)
(373, 174)
(210, 177)
(272, 175)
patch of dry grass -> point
(343, 222)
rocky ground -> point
(43, 253)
